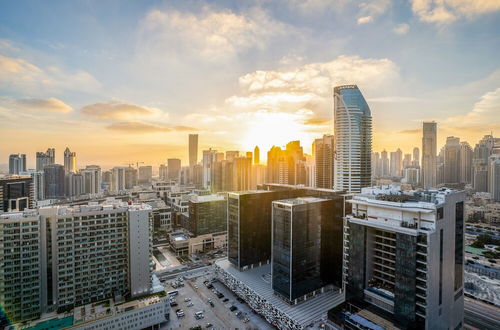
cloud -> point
(36, 105)
(213, 35)
(448, 11)
(401, 29)
(365, 19)
(115, 110)
(485, 111)
(317, 121)
(410, 131)
(140, 128)
(19, 75)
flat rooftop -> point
(300, 200)
(258, 280)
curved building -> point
(353, 139)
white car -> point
(187, 299)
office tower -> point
(286, 166)
(310, 170)
(45, 158)
(249, 154)
(17, 163)
(231, 155)
(277, 166)
(296, 246)
(54, 181)
(494, 177)
(440, 171)
(83, 271)
(130, 177)
(405, 255)
(107, 177)
(163, 172)
(207, 215)
(396, 163)
(384, 160)
(38, 183)
(73, 185)
(256, 155)
(145, 174)
(242, 173)
(429, 153)
(416, 157)
(466, 155)
(259, 175)
(185, 175)
(91, 179)
(193, 149)
(324, 158)
(480, 162)
(16, 193)
(118, 178)
(21, 267)
(407, 161)
(353, 139)
(69, 161)
(174, 168)
(412, 175)
(197, 176)
(452, 160)
(209, 157)
(375, 164)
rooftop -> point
(300, 201)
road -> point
(481, 316)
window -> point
(440, 213)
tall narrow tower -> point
(193, 149)
(69, 161)
(353, 139)
(256, 155)
(429, 161)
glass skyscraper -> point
(353, 139)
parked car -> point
(199, 315)
(187, 299)
(225, 300)
(190, 304)
(209, 325)
(233, 308)
(219, 295)
(180, 313)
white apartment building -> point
(404, 253)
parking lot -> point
(194, 297)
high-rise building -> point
(130, 177)
(376, 165)
(174, 168)
(17, 163)
(54, 181)
(480, 162)
(38, 184)
(193, 149)
(286, 166)
(384, 161)
(73, 184)
(45, 158)
(207, 215)
(163, 172)
(412, 175)
(16, 193)
(259, 175)
(407, 162)
(297, 246)
(452, 160)
(405, 255)
(145, 174)
(69, 161)
(324, 158)
(91, 179)
(416, 157)
(466, 155)
(353, 139)
(396, 163)
(256, 155)
(429, 154)
(231, 155)
(118, 178)
(209, 157)
(494, 177)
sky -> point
(125, 81)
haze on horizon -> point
(120, 82)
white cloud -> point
(19, 75)
(210, 34)
(36, 105)
(401, 29)
(365, 19)
(448, 11)
(117, 110)
(369, 10)
(485, 111)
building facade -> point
(429, 154)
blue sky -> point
(121, 81)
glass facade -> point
(207, 217)
(405, 278)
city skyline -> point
(113, 101)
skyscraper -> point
(130, 177)
(324, 154)
(54, 181)
(209, 157)
(384, 164)
(480, 162)
(118, 178)
(494, 177)
(45, 158)
(16, 193)
(174, 168)
(91, 179)
(193, 149)
(17, 163)
(145, 174)
(452, 160)
(353, 139)
(256, 155)
(466, 155)
(69, 161)
(429, 151)
(416, 157)
(396, 163)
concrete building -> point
(17, 163)
(130, 177)
(324, 159)
(145, 174)
(38, 183)
(416, 157)
(396, 163)
(466, 156)
(118, 178)
(91, 179)
(45, 158)
(207, 215)
(73, 185)
(174, 168)
(451, 161)
(494, 177)
(54, 181)
(404, 254)
(353, 139)
(384, 160)
(256, 155)
(429, 154)
(16, 193)
(69, 161)
(193, 149)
